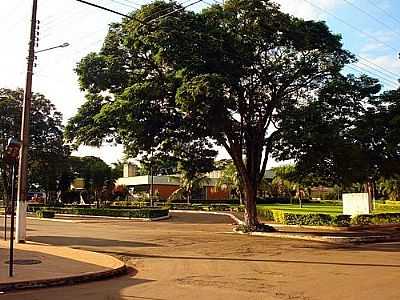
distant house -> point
(164, 186)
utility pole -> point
(23, 157)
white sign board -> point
(356, 204)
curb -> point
(62, 281)
(329, 239)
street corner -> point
(40, 266)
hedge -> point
(107, 212)
(45, 214)
(393, 203)
(315, 219)
(384, 218)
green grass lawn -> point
(319, 208)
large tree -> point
(349, 135)
(47, 153)
(227, 73)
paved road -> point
(196, 257)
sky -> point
(369, 28)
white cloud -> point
(108, 153)
(305, 10)
(382, 41)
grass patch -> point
(332, 210)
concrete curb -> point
(56, 258)
(53, 220)
(68, 280)
(329, 239)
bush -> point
(307, 219)
(310, 219)
(259, 228)
(107, 212)
(385, 218)
(341, 220)
(278, 216)
(266, 213)
(393, 203)
(48, 214)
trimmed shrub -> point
(260, 228)
(266, 213)
(385, 218)
(341, 220)
(278, 216)
(107, 212)
(393, 203)
(48, 214)
(307, 219)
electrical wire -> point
(371, 16)
(384, 11)
(362, 70)
(351, 26)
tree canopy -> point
(224, 75)
(47, 153)
(350, 134)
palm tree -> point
(189, 182)
(390, 187)
(230, 180)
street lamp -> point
(55, 47)
(11, 157)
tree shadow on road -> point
(87, 241)
(382, 247)
(109, 289)
(235, 259)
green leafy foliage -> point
(390, 187)
(106, 212)
(47, 154)
(376, 219)
(223, 75)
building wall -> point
(164, 190)
(130, 170)
(214, 193)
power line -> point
(384, 76)
(163, 10)
(175, 11)
(350, 25)
(384, 11)
(108, 9)
(371, 16)
(362, 70)
(388, 72)
(124, 4)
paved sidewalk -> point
(39, 265)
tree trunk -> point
(250, 214)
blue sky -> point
(84, 28)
